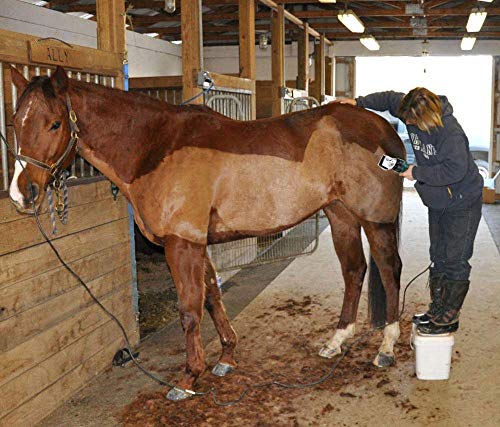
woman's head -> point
(422, 108)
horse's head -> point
(44, 134)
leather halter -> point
(53, 169)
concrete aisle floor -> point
(289, 321)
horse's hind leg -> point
(187, 266)
(227, 336)
(346, 234)
(384, 249)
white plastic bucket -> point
(433, 356)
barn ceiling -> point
(386, 20)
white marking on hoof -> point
(385, 356)
(14, 192)
(334, 346)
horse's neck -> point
(115, 127)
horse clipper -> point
(392, 163)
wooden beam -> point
(111, 26)
(292, 18)
(278, 59)
(247, 46)
(330, 76)
(247, 38)
(319, 70)
(303, 59)
(191, 61)
(155, 82)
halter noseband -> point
(53, 169)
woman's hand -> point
(345, 101)
(408, 173)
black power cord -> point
(154, 377)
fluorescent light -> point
(467, 43)
(370, 43)
(351, 21)
(176, 41)
(476, 20)
(335, 1)
(151, 34)
(484, 1)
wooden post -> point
(278, 59)
(111, 29)
(319, 69)
(330, 76)
(303, 59)
(247, 44)
(111, 25)
(191, 61)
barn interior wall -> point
(147, 56)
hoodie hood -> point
(446, 106)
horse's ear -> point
(59, 80)
(18, 79)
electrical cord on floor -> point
(128, 347)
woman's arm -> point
(382, 101)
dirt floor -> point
(280, 333)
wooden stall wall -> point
(53, 338)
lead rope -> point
(60, 188)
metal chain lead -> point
(60, 188)
(50, 200)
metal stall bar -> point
(3, 129)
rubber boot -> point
(436, 290)
(454, 293)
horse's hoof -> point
(328, 352)
(384, 360)
(175, 394)
(222, 369)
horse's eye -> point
(55, 125)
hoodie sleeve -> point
(453, 163)
(382, 101)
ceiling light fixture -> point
(351, 21)
(467, 43)
(169, 6)
(335, 1)
(476, 20)
(370, 43)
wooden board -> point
(36, 260)
(49, 399)
(20, 328)
(14, 49)
(49, 371)
(17, 235)
(33, 291)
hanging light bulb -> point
(169, 6)
(263, 41)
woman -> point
(450, 185)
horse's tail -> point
(376, 291)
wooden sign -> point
(52, 52)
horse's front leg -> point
(187, 266)
(384, 249)
(227, 336)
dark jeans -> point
(452, 233)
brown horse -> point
(194, 177)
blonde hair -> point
(423, 107)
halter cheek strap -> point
(54, 168)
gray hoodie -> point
(446, 173)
